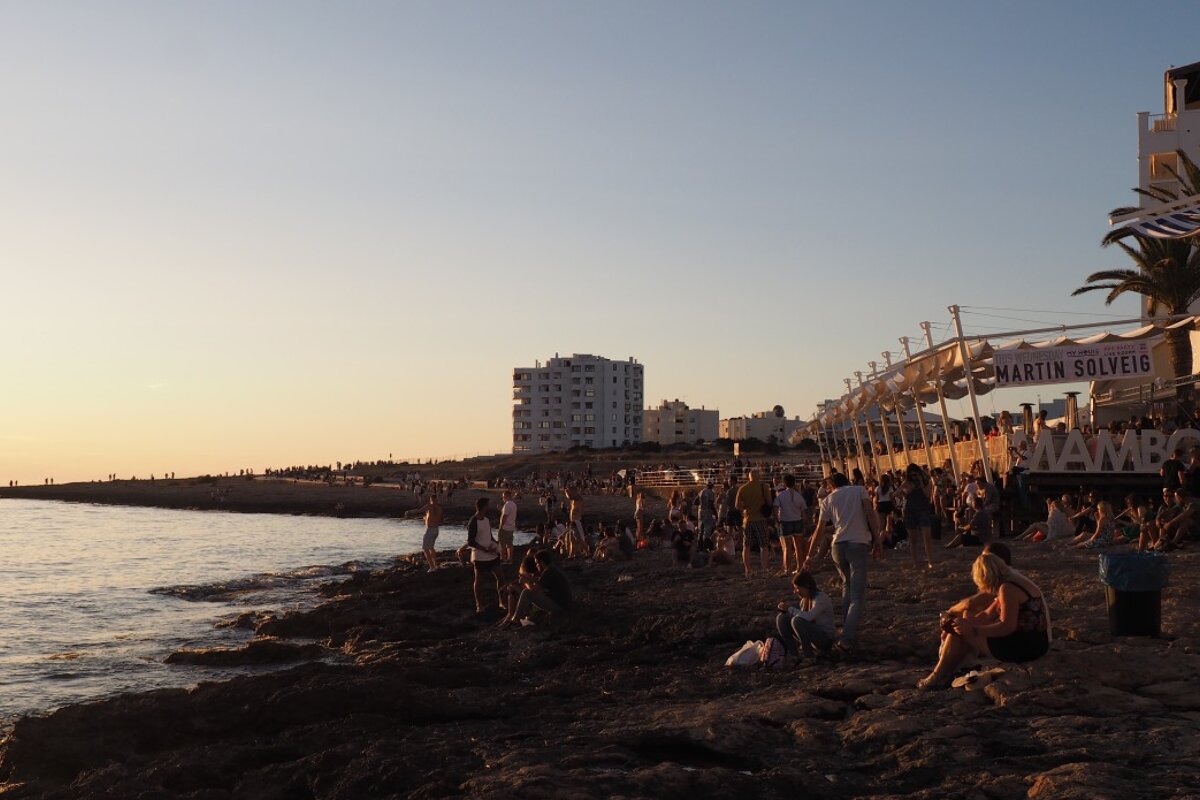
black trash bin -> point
(1133, 583)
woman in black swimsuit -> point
(1014, 628)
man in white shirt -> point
(855, 540)
(485, 556)
(508, 526)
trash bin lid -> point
(1134, 572)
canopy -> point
(944, 366)
(1176, 220)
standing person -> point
(508, 526)
(754, 501)
(578, 536)
(918, 515)
(791, 510)
(1172, 470)
(485, 554)
(639, 515)
(855, 538)
(707, 514)
(434, 514)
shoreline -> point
(632, 699)
(300, 498)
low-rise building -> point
(762, 425)
(673, 421)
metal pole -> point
(920, 408)
(820, 435)
(883, 421)
(937, 385)
(867, 419)
(862, 459)
(887, 359)
(966, 357)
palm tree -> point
(1168, 276)
(1168, 270)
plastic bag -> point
(746, 655)
(1134, 572)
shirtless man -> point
(434, 514)
(508, 526)
(577, 544)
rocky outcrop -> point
(631, 699)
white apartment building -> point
(1160, 135)
(760, 425)
(674, 422)
(577, 400)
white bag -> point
(746, 655)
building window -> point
(588, 381)
(589, 392)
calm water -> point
(93, 598)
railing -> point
(1162, 123)
(689, 477)
(1150, 392)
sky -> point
(249, 235)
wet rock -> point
(258, 651)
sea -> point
(93, 598)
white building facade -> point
(674, 422)
(580, 400)
(761, 425)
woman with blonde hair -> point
(1014, 628)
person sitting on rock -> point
(1106, 528)
(808, 627)
(1056, 527)
(682, 541)
(976, 529)
(1014, 628)
(608, 548)
(548, 589)
(1174, 531)
(977, 603)
(526, 572)
(724, 547)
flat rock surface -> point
(631, 699)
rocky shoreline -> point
(409, 695)
(285, 496)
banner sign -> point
(1072, 363)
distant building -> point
(580, 400)
(761, 425)
(674, 422)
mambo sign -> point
(1129, 452)
(1072, 364)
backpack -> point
(772, 653)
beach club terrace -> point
(880, 423)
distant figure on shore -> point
(508, 526)
(577, 544)
(434, 514)
(485, 554)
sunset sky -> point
(260, 234)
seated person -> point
(548, 590)
(724, 547)
(806, 628)
(977, 603)
(682, 541)
(1133, 518)
(1014, 628)
(1057, 524)
(976, 529)
(1173, 532)
(1106, 528)
(609, 546)
(510, 591)
(1085, 518)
